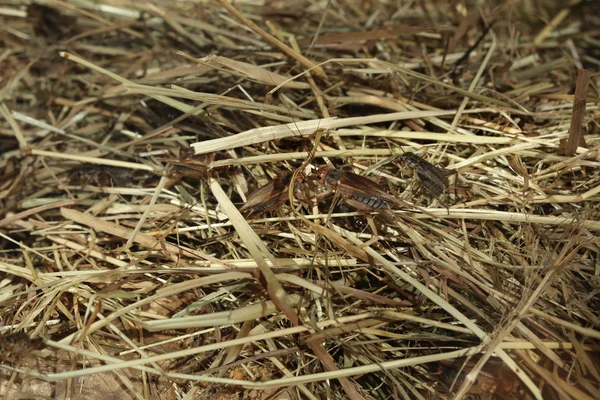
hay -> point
(131, 134)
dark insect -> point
(18, 344)
(190, 165)
(432, 178)
(273, 195)
(359, 192)
(497, 379)
(50, 22)
(100, 175)
(105, 176)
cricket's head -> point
(409, 159)
(329, 176)
(14, 343)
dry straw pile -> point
(127, 269)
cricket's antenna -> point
(312, 149)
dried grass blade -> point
(254, 72)
(304, 128)
(172, 251)
(255, 246)
(272, 40)
(575, 137)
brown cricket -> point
(273, 195)
(359, 192)
(189, 166)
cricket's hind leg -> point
(447, 201)
(360, 206)
(450, 172)
(358, 223)
(415, 190)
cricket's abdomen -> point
(434, 182)
(373, 202)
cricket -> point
(432, 179)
